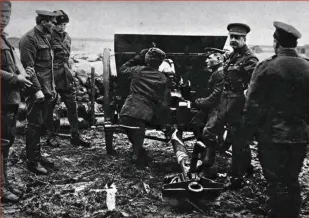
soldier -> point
(237, 73)
(276, 112)
(147, 97)
(64, 81)
(12, 81)
(36, 52)
(209, 103)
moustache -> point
(233, 43)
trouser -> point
(229, 112)
(281, 164)
(8, 132)
(136, 136)
(35, 118)
(69, 99)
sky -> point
(102, 19)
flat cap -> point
(287, 29)
(47, 13)
(238, 29)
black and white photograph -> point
(160, 108)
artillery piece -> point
(188, 56)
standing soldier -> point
(36, 52)
(276, 112)
(64, 81)
(12, 81)
(238, 69)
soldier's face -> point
(5, 19)
(237, 41)
(49, 26)
(211, 61)
(60, 28)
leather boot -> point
(78, 140)
(6, 194)
(36, 168)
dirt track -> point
(76, 188)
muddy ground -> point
(76, 188)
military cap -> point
(238, 29)
(155, 53)
(47, 13)
(286, 34)
(6, 5)
(62, 18)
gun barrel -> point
(167, 54)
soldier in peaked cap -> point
(36, 53)
(237, 70)
(146, 100)
(276, 111)
(65, 86)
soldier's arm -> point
(133, 64)
(212, 99)
(256, 100)
(8, 78)
(27, 47)
(249, 67)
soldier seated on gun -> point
(148, 91)
(208, 104)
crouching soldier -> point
(12, 81)
(147, 96)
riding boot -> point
(32, 144)
(7, 194)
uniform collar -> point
(287, 52)
(40, 32)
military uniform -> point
(36, 52)
(65, 85)
(146, 100)
(208, 105)
(10, 99)
(237, 73)
(276, 112)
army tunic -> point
(35, 51)
(10, 91)
(147, 91)
(61, 45)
